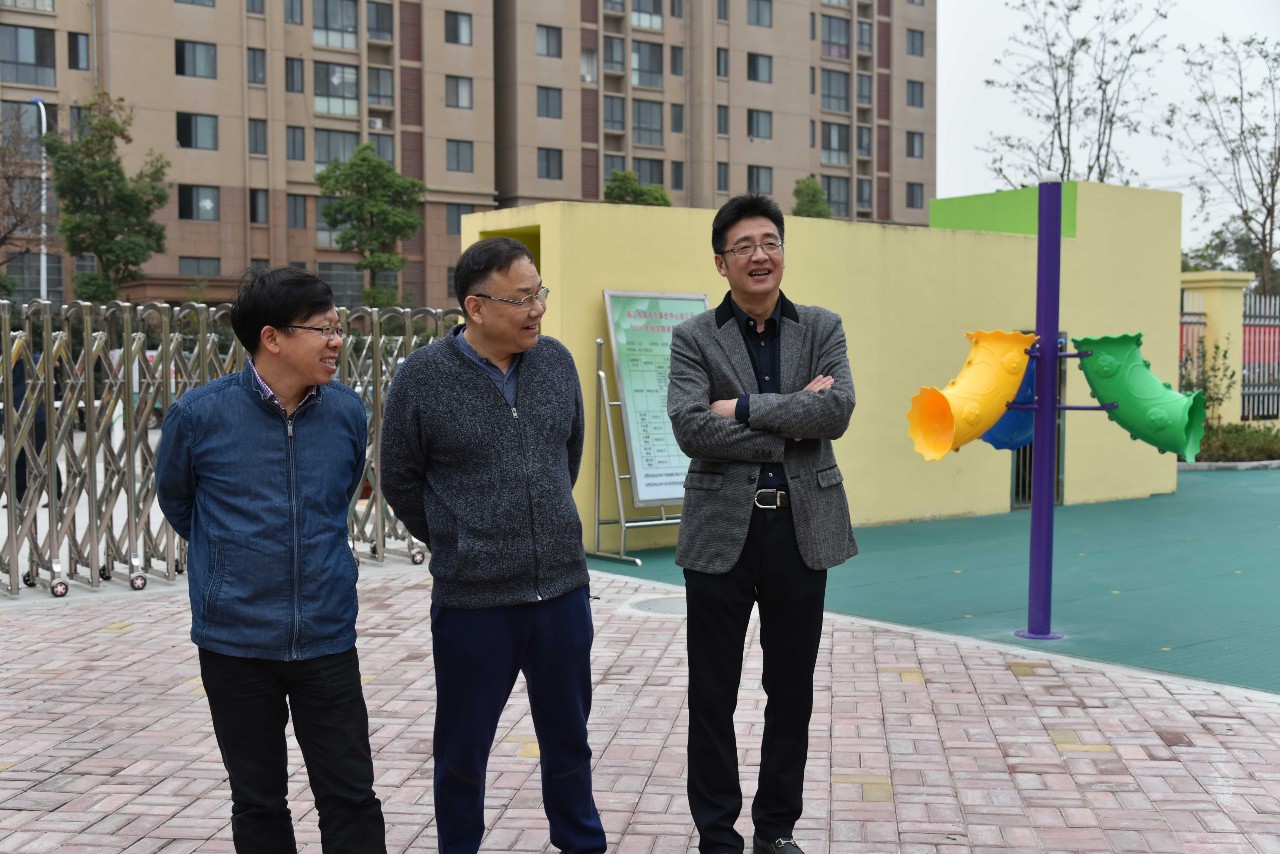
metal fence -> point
(83, 391)
(1260, 369)
(1191, 332)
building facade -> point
(491, 104)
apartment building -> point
(494, 103)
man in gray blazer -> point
(759, 387)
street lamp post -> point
(44, 202)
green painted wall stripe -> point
(1007, 212)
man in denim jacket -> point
(256, 472)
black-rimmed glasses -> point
(326, 331)
(744, 250)
(540, 296)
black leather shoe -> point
(781, 845)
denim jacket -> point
(262, 502)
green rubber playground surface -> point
(1186, 583)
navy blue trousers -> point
(478, 653)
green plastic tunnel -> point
(1148, 408)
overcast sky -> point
(972, 33)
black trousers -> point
(770, 573)
(250, 700)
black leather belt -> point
(772, 499)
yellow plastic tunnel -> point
(942, 420)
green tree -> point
(1229, 247)
(1078, 71)
(374, 207)
(810, 200)
(105, 213)
(624, 188)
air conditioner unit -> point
(375, 123)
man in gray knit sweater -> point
(481, 443)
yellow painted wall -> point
(907, 295)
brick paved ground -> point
(920, 742)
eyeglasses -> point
(745, 250)
(540, 296)
(326, 331)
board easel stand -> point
(605, 408)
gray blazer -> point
(709, 362)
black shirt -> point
(764, 348)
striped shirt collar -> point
(271, 396)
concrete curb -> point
(1256, 465)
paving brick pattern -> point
(919, 742)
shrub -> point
(1240, 443)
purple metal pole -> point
(1044, 437)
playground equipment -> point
(1006, 398)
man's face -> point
(758, 273)
(307, 356)
(507, 329)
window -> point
(334, 23)
(257, 136)
(812, 77)
(201, 267)
(722, 62)
(646, 122)
(760, 179)
(915, 42)
(677, 8)
(677, 118)
(915, 195)
(615, 113)
(326, 235)
(722, 10)
(677, 60)
(78, 51)
(337, 89)
(864, 88)
(677, 174)
(208, 3)
(835, 90)
(864, 141)
(297, 211)
(760, 124)
(457, 92)
(293, 11)
(257, 65)
(254, 7)
(382, 87)
(197, 131)
(453, 217)
(835, 144)
(459, 155)
(646, 64)
(551, 164)
(381, 27)
(258, 207)
(646, 14)
(615, 53)
(864, 194)
(915, 93)
(195, 59)
(760, 13)
(293, 75)
(813, 133)
(760, 67)
(836, 189)
(835, 37)
(915, 2)
(24, 268)
(548, 41)
(457, 28)
(722, 119)
(295, 143)
(260, 263)
(25, 116)
(915, 143)
(864, 37)
(449, 289)
(337, 145)
(587, 67)
(722, 177)
(384, 145)
(346, 281)
(614, 163)
(549, 102)
(196, 202)
(648, 170)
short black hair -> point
(483, 259)
(739, 208)
(277, 297)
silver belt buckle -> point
(773, 492)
